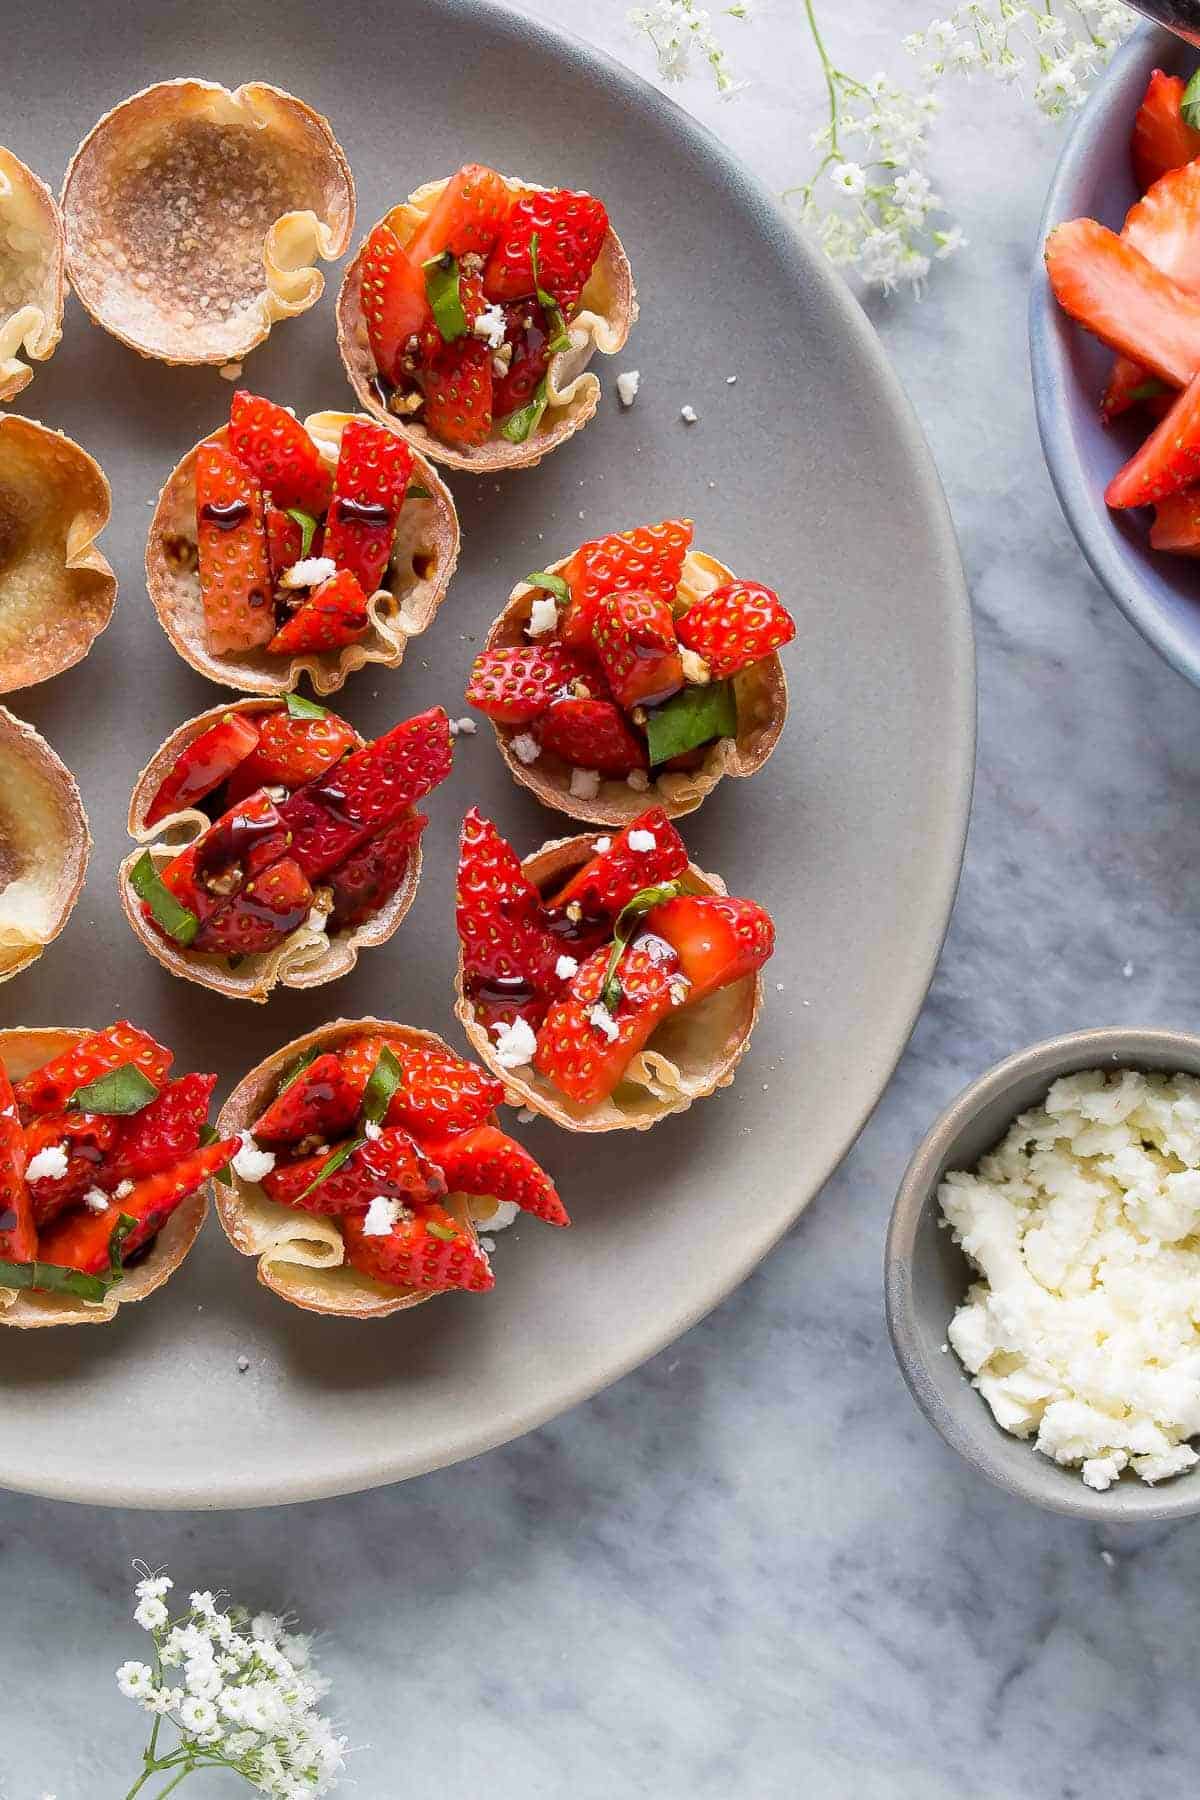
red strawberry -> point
(358, 1059)
(1165, 227)
(1177, 523)
(611, 878)
(634, 635)
(204, 764)
(1126, 386)
(261, 913)
(569, 228)
(486, 1161)
(163, 1133)
(1167, 461)
(394, 302)
(591, 734)
(278, 452)
(18, 1231)
(292, 751)
(49, 1088)
(81, 1239)
(285, 540)
(426, 1248)
(85, 1137)
(508, 954)
(1115, 292)
(649, 558)
(235, 566)
(529, 338)
(371, 874)
(736, 625)
(467, 216)
(717, 940)
(331, 817)
(245, 840)
(514, 685)
(458, 392)
(441, 1094)
(368, 491)
(334, 614)
(1162, 139)
(584, 1047)
(319, 1100)
(391, 1165)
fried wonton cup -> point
(57, 591)
(301, 1256)
(306, 958)
(44, 844)
(23, 1051)
(31, 273)
(193, 216)
(692, 1053)
(607, 310)
(423, 560)
(762, 706)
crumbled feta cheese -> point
(585, 784)
(96, 1200)
(318, 918)
(526, 1116)
(464, 727)
(310, 571)
(491, 325)
(243, 1363)
(638, 780)
(506, 1211)
(565, 967)
(515, 1043)
(628, 382)
(250, 1162)
(601, 846)
(543, 616)
(642, 840)
(381, 1216)
(122, 1190)
(49, 1164)
(604, 1022)
(525, 748)
(729, 380)
(372, 1130)
(688, 414)
(694, 667)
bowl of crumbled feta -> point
(1043, 1274)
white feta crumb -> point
(310, 571)
(50, 1164)
(543, 616)
(230, 371)
(487, 1245)
(729, 380)
(602, 846)
(565, 967)
(122, 1190)
(688, 414)
(372, 1130)
(525, 748)
(628, 382)
(243, 1363)
(604, 1022)
(96, 1200)
(638, 780)
(515, 1043)
(318, 918)
(642, 840)
(490, 325)
(1108, 1559)
(585, 784)
(694, 667)
(678, 990)
(779, 987)
(381, 1216)
(526, 1116)
(1127, 971)
(464, 727)
(250, 1162)
(506, 1211)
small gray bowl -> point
(926, 1275)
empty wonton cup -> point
(31, 273)
(693, 1052)
(301, 1256)
(57, 591)
(607, 310)
(22, 1052)
(762, 705)
(44, 844)
(307, 958)
(423, 560)
(193, 216)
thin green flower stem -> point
(174, 1783)
(827, 70)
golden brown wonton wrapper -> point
(31, 273)
(44, 844)
(301, 1255)
(57, 591)
(692, 1053)
(306, 958)
(762, 704)
(193, 216)
(608, 308)
(423, 560)
(23, 1051)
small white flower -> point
(150, 1614)
(204, 1602)
(160, 1701)
(948, 242)
(849, 178)
(153, 1587)
(197, 1715)
(135, 1680)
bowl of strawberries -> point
(1115, 340)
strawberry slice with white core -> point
(1120, 296)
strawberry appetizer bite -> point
(104, 1169)
(368, 1153)
(606, 980)
(279, 548)
(468, 316)
(277, 843)
(635, 668)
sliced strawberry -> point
(649, 558)
(81, 1239)
(243, 842)
(514, 685)
(18, 1230)
(391, 1165)
(358, 1059)
(331, 817)
(1162, 138)
(1131, 306)
(736, 625)
(717, 939)
(426, 1248)
(277, 451)
(634, 635)
(371, 874)
(441, 1094)
(591, 734)
(508, 954)
(333, 614)
(569, 229)
(1165, 226)
(84, 1138)
(235, 565)
(528, 336)
(1177, 523)
(265, 909)
(285, 540)
(394, 302)
(485, 1161)
(1167, 461)
(584, 1047)
(368, 491)
(467, 216)
(612, 877)
(292, 751)
(1129, 384)
(204, 764)
(319, 1100)
(165, 1132)
(458, 392)
(49, 1088)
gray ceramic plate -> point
(809, 473)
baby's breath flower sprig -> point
(239, 1692)
(1062, 44)
(679, 30)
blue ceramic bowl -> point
(1158, 593)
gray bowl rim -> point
(1120, 1046)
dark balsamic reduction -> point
(140, 1254)
(383, 390)
(225, 514)
(247, 839)
(362, 512)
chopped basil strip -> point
(342, 1154)
(441, 1231)
(1149, 390)
(386, 1077)
(443, 291)
(300, 708)
(415, 492)
(120, 1231)
(171, 914)
(210, 1135)
(123, 1090)
(308, 528)
(553, 584)
(296, 1069)
(627, 921)
(559, 339)
(690, 718)
(54, 1279)
(1189, 106)
(517, 426)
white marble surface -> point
(750, 1571)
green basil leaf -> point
(296, 1069)
(170, 913)
(1189, 106)
(627, 922)
(308, 528)
(553, 584)
(441, 1231)
(342, 1154)
(210, 1135)
(123, 1090)
(692, 717)
(120, 1231)
(386, 1077)
(300, 708)
(53, 1279)
(517, 426)
(415, 492)
(1149, 390)
(444, 293)
(559, 339)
